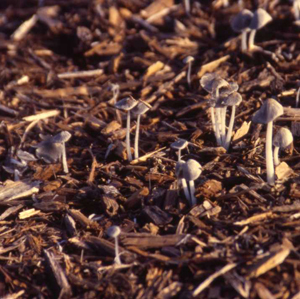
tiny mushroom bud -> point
(114, 232)
(179, 145)
(188, 60)
(141, 108)
(267, 113)
(282, 139)
(191, 171)
(241, 23)
(181, 180)
(126, 105)
(259, 20)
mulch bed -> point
(239, 241)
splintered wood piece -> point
(61, 288)
(82, 219)
(213, 150)
(8, 110)
(296, 128)
(211, 66)
(13, 190)
(24, 28)
(242, 131)
(156, 215)
(80, 74)
(28, 213)
(136, 197)
(14, 295)
(145, 157)
(10, 211)
(239, 283)
(191, 108)
(42, 115)
(70, 225)
(262, 291)
(255, 218)
(212, 277)
(152, 69)
(283, 171)
(170, 291)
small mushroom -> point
(241, 23)
(114, 232)
(282, 139)
(297, 97)
(187, 6)
(189, 60)
(126, 105)
(296, 8)
(141, 108)
(181, 180)
(179, 145)
(259, 20)
(267, 113)
(191, 171)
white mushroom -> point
(282, 139)
(181, 180)
(114, 232)
(179, 145)
(189, 60)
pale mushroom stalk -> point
(213, 121)
(192, 190)
(230, 128)
(64, 158)
(218, 126)
(223, 124)
(117, 252)
(189, 73)
(276, 154)
(244, 41)
(298, 97)
(269, 154)
(128, 138)
(251, 39)
(136, 139)
(187, 6)
(185, 189)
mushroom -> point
(282, 139)
(179, 145)
(233, 100)
(267, 113)
(191, 171)
(259, 20)
(187, 6)
(241, 23)
(297, 97)
(126, 105)
(141, 108)
(189, 60)
(181, 180)
(114, 232)
(296, 7)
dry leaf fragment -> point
(283, 171)
(242, 131)
(28, 213)
(152, 69)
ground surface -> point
(243, 236)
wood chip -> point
(211, 66)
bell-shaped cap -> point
(269, 111)
(207, 81)
(61, 137)
(283, 138)
(141, 108)
(179, 144)
(233, 99)
(49, 151)
(113, 231)
(188, 59)
(179, 169)
(126, 104)
(242, 21)
(228, 89)
(191, 170)
(260, 19)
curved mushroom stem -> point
(185, 189)
(244, 41)
(192, 189)
(117, 258)
(297, 97)
(269, 154)
(179, 154)
(218, 126)
(136, 139)
(187, 6)
(223, 125)
(251, 39)
(213, 122)
(230, 128)
(276, 158)
(128, 137)
(188, 78)
(64, 158)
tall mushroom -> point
(140, 109)
(191, 171)
(181, 180)
(179, 145)
(126, 105)
(267, 113)
(189, 60)
(241, 23)
(259, 20)
(282, 139)
(114, 232)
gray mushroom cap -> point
(191, 170)
(207, 81)
(141, 108)
(283, 138)
(49, 151)
(179, 169)
(188, 59)
(126, 104)
(61, 137)
(179, 144)
(260, 19)
(269, 111)
(113, 231)
(233, 99)
(228, 89)
(242, 21)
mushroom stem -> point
(192, 189)
(297, 97)
(64, 158)
(136, 139)
(189, 74)
(276, 158)
(230, 128)
(244, 41)
(117, 253)
(16, 175)
(185, 189)
(223, 124)
(269, 154)
(128, 137)
(179, 154)
(213, 122)
(187, 6)
(251, 39)
(218, 126)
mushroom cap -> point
(113, 231)
(179, 169)
(188, 59)
(207, 81)
(61, 137)
(191, 170)
(141, 108)
(242, 21)
(269, 111)
(179, 144)
(260, 19)
(126, 104)
(283, 138)
(228, 89)
(233, 99)
(49, 151)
